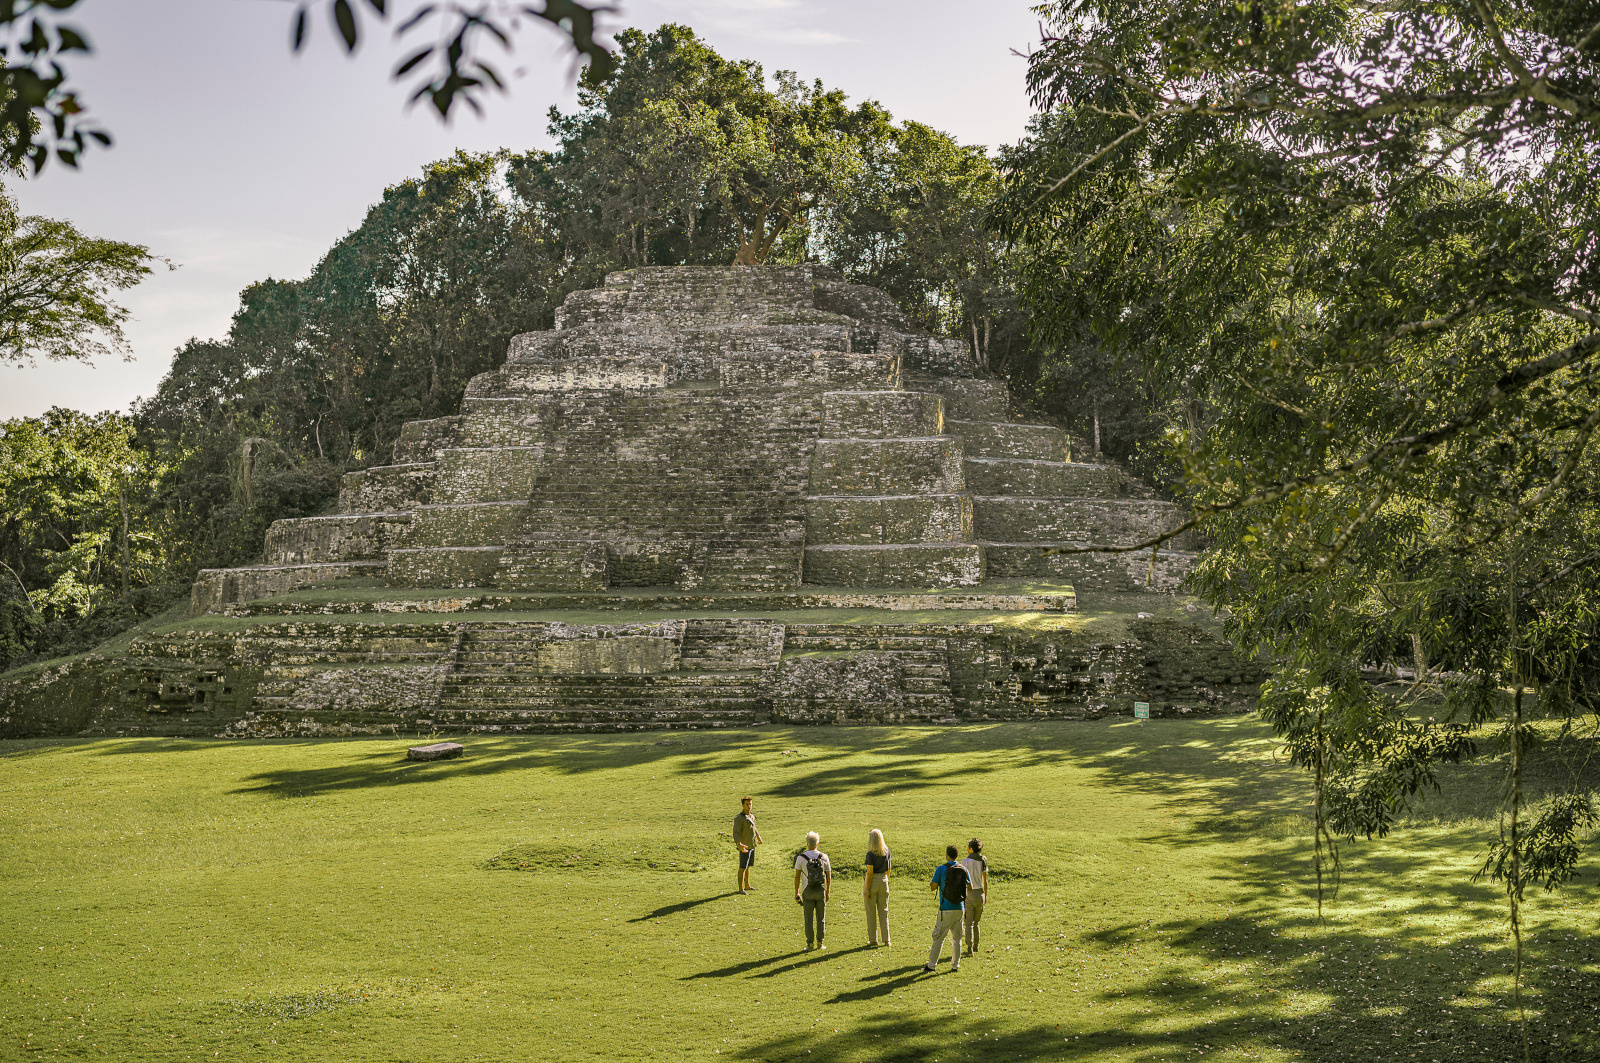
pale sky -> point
(237, 161)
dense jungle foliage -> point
(1362, 245)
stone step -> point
(881, 414)
(577, 706)
(1003, 439)
(387, 488)
(1045, 479)
(967, 399)
(921, 466)
(1128, 571)
(215, 588)
(420, 441)
(325, 540)
(862, 520)
(572, 565)
(895, 565)
(1113, 522)
(444, 566)
(467, 524)
(921, 649)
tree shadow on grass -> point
(1424, 978)
(907, 752)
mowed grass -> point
(1152, 900)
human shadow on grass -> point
(884, 983)
(821, 956)
(681, 906)
(741, 968)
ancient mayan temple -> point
(706, 452)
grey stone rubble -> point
(739, 439)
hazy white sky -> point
(237, 161)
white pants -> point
(946, 923)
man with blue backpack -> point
(950, 881)
(813, 895)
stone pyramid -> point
(706, 498)
(738, 429)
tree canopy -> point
(57, 285)
(1360, 242)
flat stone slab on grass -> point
(437, 751)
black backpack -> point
(815, 875)
(954, 890)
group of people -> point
(962, 886)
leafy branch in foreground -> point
(1361, 241)
(458, 72)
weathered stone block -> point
(387, 488)
(886, 466)
(488, 474)
(998, 439)
(553, 565)
(467, 523)
(864, 520)
(601, 373)
(444, 566)
(914, 565)
(319, 540)
(420, 440)
(216, 587)
(1043, 479)
(1090, 571)
(436, 751)
(1111, 522)
(970, 399)
(881, 414)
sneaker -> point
(808, 948)
(820, 946)
(955, 967)
(930, 967)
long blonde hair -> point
(875, 842)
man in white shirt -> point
(977, 892)
(812, 893)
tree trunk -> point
(122, 504)
(1097, 427)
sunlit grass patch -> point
(329, 900)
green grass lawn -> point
(571, 897)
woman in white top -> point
(875, 889)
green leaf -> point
(344, 18)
